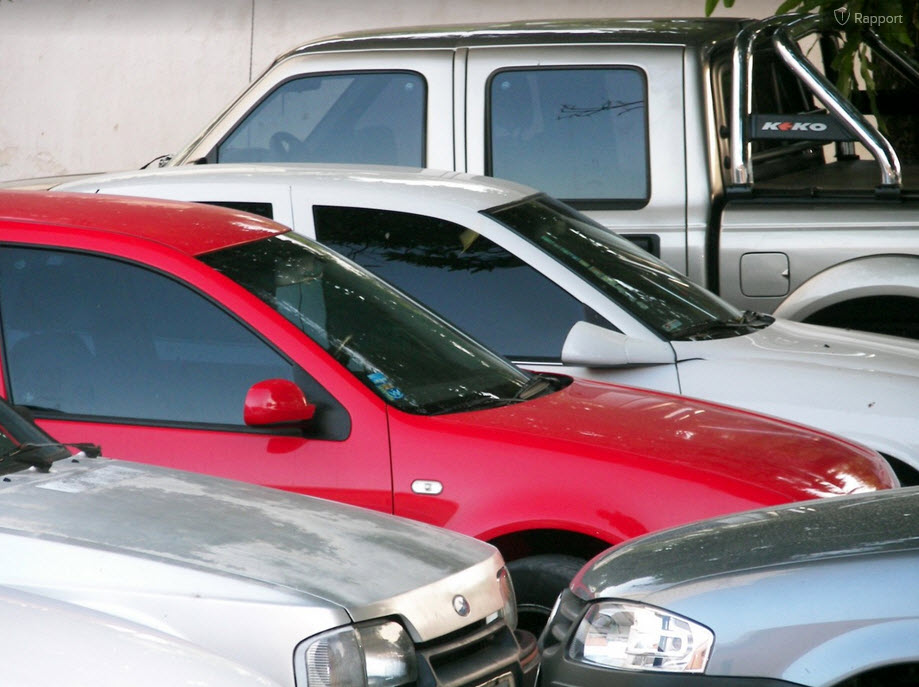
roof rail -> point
(785, 32)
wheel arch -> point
(533, 542)
(863, 650)
(896, 675)
(871, 277)
(907, 473)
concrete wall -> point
(96, 85)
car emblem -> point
(460, 605)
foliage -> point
(896, 22)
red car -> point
(191, 336)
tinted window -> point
(579, 134)
(375, 118)
(398, 349)
(88, 335)
(461, 275)
(665, 300)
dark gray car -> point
(816, 593)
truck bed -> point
(838, 176)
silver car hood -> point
(79, 646)
(86, 526)
(882, 522)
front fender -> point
(876, 275)
(856, 652)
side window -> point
(365, 117)
(88, 335)
(459, 274)
(256, 208)
(578, 134)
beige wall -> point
(96, 85)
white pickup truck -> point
(707, 142)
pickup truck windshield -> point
(393, 345)
(663, 299)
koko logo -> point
(842, 15)
(793, 126)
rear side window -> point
(366, 117)
(578, 134)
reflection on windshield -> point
(665, 300)
(404, 353)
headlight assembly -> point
(631, 636)
(371, 655)
(509, 610)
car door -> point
(591, 125)
(105, 350)
(375, 107)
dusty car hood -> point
(882, 522)
(252, 543)
(670, 434)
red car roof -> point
(188, 227)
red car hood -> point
(681, 437)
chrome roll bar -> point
(786, 31)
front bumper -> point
(557, 670)
(484, 655)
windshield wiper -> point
(757, 319)
(748, 322)
(535, 386)
(42, 456)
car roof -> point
(190, 228)
(673, 31)
(391, 186)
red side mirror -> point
(276, 402)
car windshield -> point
(23, 445)
(662, 298)
(404, 353)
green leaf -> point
(788, 6)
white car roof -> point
(397, 186)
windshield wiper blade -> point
(757, 319)
(535, 386)
(42, 456)
(749, 321)
(476, 402)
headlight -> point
(372, 655)
(510, 599)
(631, 636)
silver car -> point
(814, 594)
(296, 590)
(48, 642)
